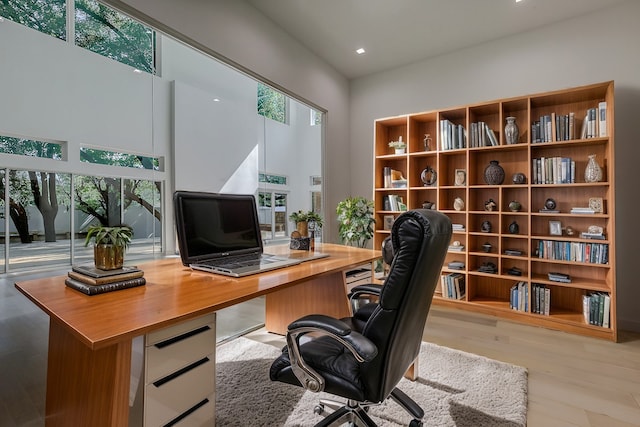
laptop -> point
(220, 233)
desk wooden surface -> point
(173, 293)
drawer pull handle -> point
(186, 413)
(179, 372)
(184, 336)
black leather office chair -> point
(363, 362)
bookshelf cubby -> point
(562, 114)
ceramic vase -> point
(511, 131)
(593, 171)
(493, 173)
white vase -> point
(399, 150)
(593, 171)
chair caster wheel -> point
(318, 410)
(415, 423)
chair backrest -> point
(420, 241)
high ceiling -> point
(399, 32)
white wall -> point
(238, 32)
(593, 48)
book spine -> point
(99, 289)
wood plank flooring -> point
(573, 381)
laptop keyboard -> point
(236, 262)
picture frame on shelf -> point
(555, 228)
(388, 221)
(597, 204)
(460, 177)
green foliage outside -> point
(272, 104)
(98, 28)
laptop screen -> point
(214, 225)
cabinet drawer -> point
(165, 357)
(179, 329)
(169, 397)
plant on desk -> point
(110, 244)
(355, 221)
(302, 220)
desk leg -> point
(86, 387)
(321, 295)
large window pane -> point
(143, 212)
(106, 31)
(46, 16)
(39, 219)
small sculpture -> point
(427, 142)
(514, 228)
(514, 206)
(458, 204)
(485, 227)
(489, 205)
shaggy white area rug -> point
(454, 389)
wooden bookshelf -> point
(491, 293)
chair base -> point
(356, 413)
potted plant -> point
(355, 221)
(398, 145)
(110, 244)
(302, 220)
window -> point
(315, 117)
(272, 104)
(272, 179)
(30, 147)
(46, 16)
(98, 28)
(272, 212)
(107, 32)
(102, 157)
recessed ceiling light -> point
(216, 99)
(518, 1)
(360, 51)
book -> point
(107, 287)
(602, 118)
(92, 271)
(107, 279)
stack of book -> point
(92, 281)
(559, 277)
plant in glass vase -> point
(355, 221)
(110, 244)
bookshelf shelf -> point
(460, 147)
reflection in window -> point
(29, 147)
(272, 104)
(102, 157)
(46, 16)
(109, 33)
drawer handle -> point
(179, 372)
(186, 413)
(184, 336)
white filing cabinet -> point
(360, 275)
(179, 386)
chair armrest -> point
(362, 348)
(368, 289)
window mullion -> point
(71, 21)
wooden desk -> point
(90, 336)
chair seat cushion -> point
(331, 360)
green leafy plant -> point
(302, 216)
(119, 235)
(355, 221)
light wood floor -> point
(573, 381)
